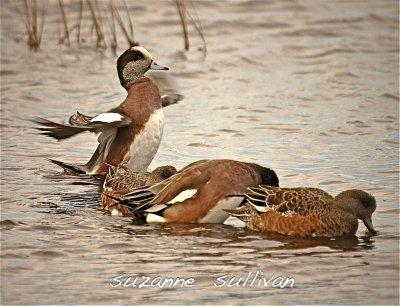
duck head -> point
(269, 177)
(133, 64)
(361, 204)
(161, 173)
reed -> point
(33, 29)
(113, 31)
(128, 36)
(79, 22)
(199, 28)
(65, 23)
(183, 15)
(100, 14)
(181, 6)
(100, 42)
(132, 43)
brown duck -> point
(306, 211)
(120, 180)
(199, 192)
(130, 132)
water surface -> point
(309, 88)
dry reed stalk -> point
(111, 25)
(78, 25)
(133, 42)
(197, 25)
(97, 26)
(181, 6)
(31, 22)
(129, 37)
(34, 31)
(65, 22)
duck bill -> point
(368, 224)
(155, 66)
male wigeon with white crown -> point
(131, 132)
(199, 193)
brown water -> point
(309, 88)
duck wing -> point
(80, 124)
(287, 200)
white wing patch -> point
(184, 195)
(153, 218)
(107, 118)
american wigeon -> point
(306, 211)
(120, 180)
(199, 192)
(131, 132)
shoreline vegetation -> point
(105, 20)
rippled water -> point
(309, 88)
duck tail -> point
(68, 168)
(137, 200)
(140, 207)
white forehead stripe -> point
(143, 51)
(107, 117)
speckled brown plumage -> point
(121, 180)
(306, 211)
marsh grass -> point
(65, 23)
(128, 35)
(198, 27)
(181, 6)
(33, 28)
(112, 29)
(103, 19)
(97, 25)
(79, 22)
(184, 14)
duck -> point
(121, 180)
(198, 193)
(305, 211)
(130, 132)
